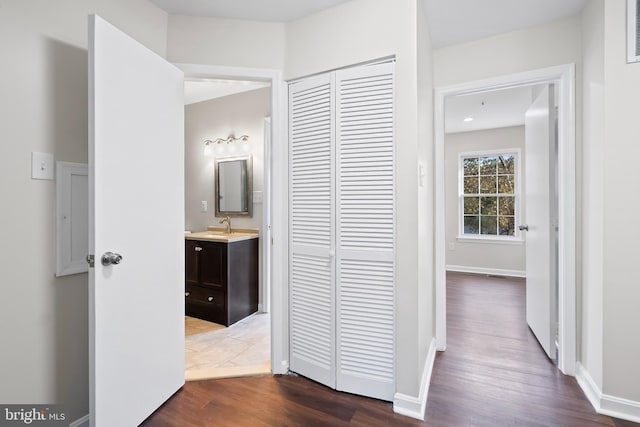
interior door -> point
(312, 245)
(365, 244)
(136, 208)
(540, 211)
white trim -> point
(278, 198)
(631, 32)
(81, 422)
(265, 305)
(487, 271)
(564, 77)
(490, 241)
(411, 406)
(606, 404)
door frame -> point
(276, 197)
(564, 77)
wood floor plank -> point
(494, 373)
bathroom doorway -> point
(229, 109)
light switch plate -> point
(257, 197)
(41, 165)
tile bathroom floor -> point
(215, 351)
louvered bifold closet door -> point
(312, 316)
(366, 226)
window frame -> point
(491, 238)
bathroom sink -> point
(222, 235)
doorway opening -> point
(563, 78)
(230, 103)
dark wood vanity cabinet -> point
(221, 280)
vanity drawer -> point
(205, 303)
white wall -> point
(621, 370)
(481, 255)
(426, 275)
(590, 349)
(217, 41)
(546, 45)
(239, 114)
(44, 357)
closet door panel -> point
(365, 230)
(312, 198)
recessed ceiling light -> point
(468, 119)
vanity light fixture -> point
(209, 144)
(468, 119)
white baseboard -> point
(81, 422)
(606, 404)
(411, 406)
(489, 271)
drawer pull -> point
(210, 299)
(198, 248)
(186, 294)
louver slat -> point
(312, 317)
(366, 227)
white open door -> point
(136, 209)
(541, 213)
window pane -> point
(470, 166)
(506, 206)
(506, 164)
(471, 225)
(471, 205)
(488, 225)
(471, 185)
(506, 184)
(488, 205)
(506, 225)
(488, 184)
(488, 165)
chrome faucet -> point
(226, 220)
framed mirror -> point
(234, 186)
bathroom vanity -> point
(221, 275)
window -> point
(489, 194)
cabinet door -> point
(213, 264)
(191, 249)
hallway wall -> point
(44, 357)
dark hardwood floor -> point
(493, 374)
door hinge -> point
(91, 260)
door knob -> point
(523, 228)
(110, 258)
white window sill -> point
(490, 240)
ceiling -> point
(254, 10)
(489, 110)
(450, 21)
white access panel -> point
(72, 216)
